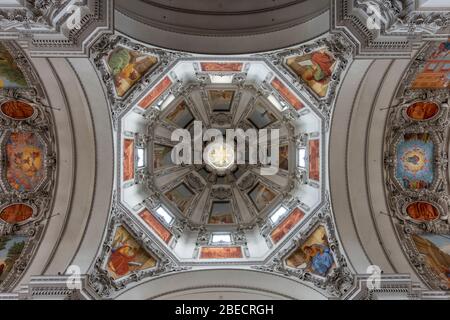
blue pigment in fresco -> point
(415, 157)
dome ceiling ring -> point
(230, 20)
(144, 116)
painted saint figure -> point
(315, 68)
(127, 255)
(120, 260)
(320, 258)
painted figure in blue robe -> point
(320, 258)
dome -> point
(212, 149)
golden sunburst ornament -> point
(219, 155)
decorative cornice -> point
(57, 27)
(387, 28)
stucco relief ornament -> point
(247, 181)
(381, 13)
(221, 193)
(399, 17)
(142, 176)
(428, 22)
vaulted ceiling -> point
(93, 205)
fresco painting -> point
(221, 100)
(260, 117)
(287, 94)
(436, 249)
(284, 157)
(314, 159)
(128, 159)
(181, 196)
(286, 225)
(24, 161)
(415, 157)
(181, 115)
(315, 69)
(127, 255)
(128, 67)
(10, 74)
(261, 196)
(162, 156)
(16, 213)
(11, 248)
(422, 211)
(314, 255)
(220, 253)
(17, 110)
(422, 110)
(156, 225)
(155, 93)
(221, 212)
(436, 72)
(221, 66)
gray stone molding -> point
(45, 25)
(389, 28)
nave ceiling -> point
(89, 188)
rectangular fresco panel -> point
(436, 249)
(221, 212)
(220, 253)
(314, 255)
(155, 93)
(181, 115)
(315, 69)
(261, 196)
(284, 157)
(128, 159)
(284, 227)
(128, 67)
(436, 72)
(10, 74)
(314, 159)
(220, 100)
(260, 116)
(287, 94)
(127, 255)
(221, 66)
(11, 248)
(156, 225)
(162, 156)
(24, 161)
(181, 196)
(415, 158)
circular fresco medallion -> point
(422, 211)
(17, 110)
(16, 213)
(422, 110)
